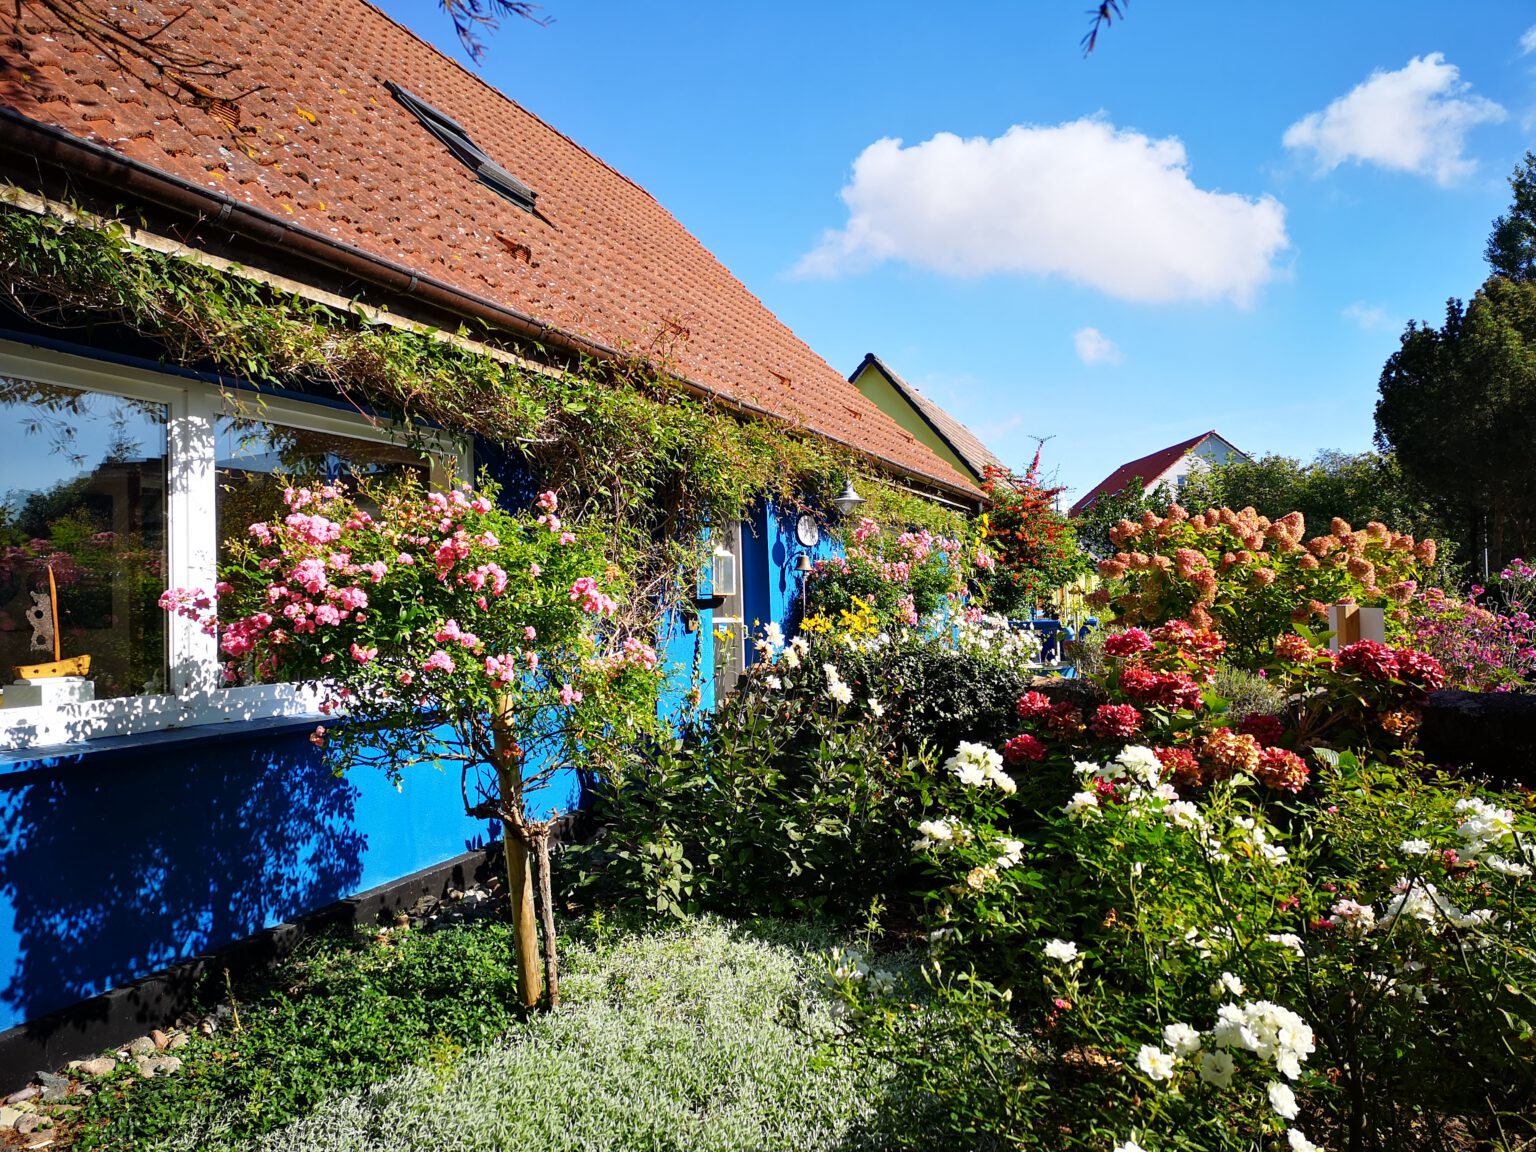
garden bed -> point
(700, 1035)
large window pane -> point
(83, 495)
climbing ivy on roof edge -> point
(626, 446)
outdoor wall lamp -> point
(848, 500)
(717, 581)
(723, 571)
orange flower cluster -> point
(1252, 578)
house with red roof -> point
(1166, 466)
(323, 151)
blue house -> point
(149, 815)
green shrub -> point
(1247, 693)
(789, 802)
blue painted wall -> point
(118, 862)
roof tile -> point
(1148, 468)
(615, 268)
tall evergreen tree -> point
(1511, 250)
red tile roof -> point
(323, 146)
(1148, 469)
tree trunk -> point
(525, 933)
(547, 906)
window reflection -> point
(83, 494)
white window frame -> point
(739, 659)
(193, 408)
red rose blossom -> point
(1023, 747)
(1119, 721)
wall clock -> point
(807, 531)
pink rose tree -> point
(440, 628)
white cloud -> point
(1528, 41)
(1370, 317)
(1093, 347)
(1413, 120)
(1112, 209)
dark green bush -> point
(788, 802)
(340, 1014)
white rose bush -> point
(1131, 966)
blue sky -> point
(1222, 219)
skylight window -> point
(468, 153)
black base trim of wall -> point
(1492, 734)
(112, 1019)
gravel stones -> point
(151, 1066)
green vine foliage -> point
(625, 445)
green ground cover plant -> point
(703, 1036)
(342, 1012)
(698, 1035)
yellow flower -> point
(815, 623)
(860, 621)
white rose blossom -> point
(1012, 852)
(1283, 1100)
(1216, 1068)
(1063, 951)
(1267, 1030)
(1483, 824)
(1415, 847)
(1082, 805)
(1184, 1039)
(1299, 1142)
(977, 766)
(1506, 867)
(1154, 1063)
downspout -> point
(46, 144)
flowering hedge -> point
(1251, 578)
(1158, 687)
(899, 578)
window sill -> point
(78, 727)
(55, 755)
